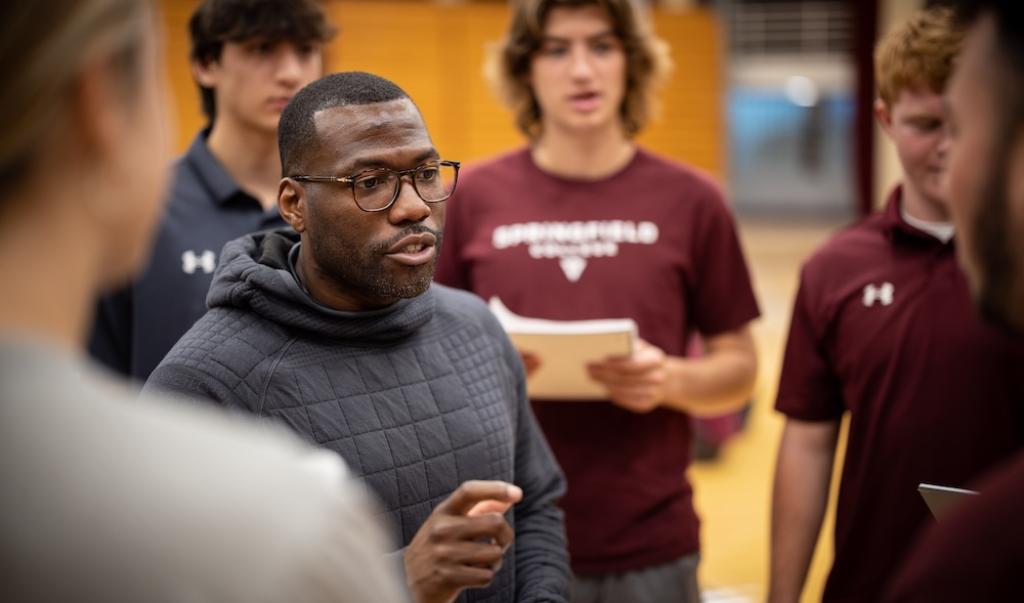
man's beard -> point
(1001, 290)
(363, 271)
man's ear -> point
(97, 108)
(291, 202)
(205, 72)
(883, 115)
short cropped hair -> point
(215, 22)
(296, 131)
(918, 54)
(647, 60)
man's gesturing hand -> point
(456, 549)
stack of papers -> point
(564, 347)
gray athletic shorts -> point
(674, 582)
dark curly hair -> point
(215, 22)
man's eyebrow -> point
(548, 39)
(425, 155)
(600, 35)
(947, 105)
(366, 163)
(924, 117)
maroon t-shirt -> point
(654, 242)
(884, 327)
(976, 553)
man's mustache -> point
(384, 246)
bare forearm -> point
(715, 384)
(800, 495)
(719, 382)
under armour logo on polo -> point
(207, 261)
(883, 294)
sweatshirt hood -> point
(254, 275)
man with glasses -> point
(334, 329)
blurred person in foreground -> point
(883, 328)
(976, 552)
(333, 328)
(249, 57)
(583, 223)
(107, 497)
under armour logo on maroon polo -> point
(190, 261)
(882, 294)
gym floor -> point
(733, 493)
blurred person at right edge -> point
(976, 553)
(107, 497)
(883, 328)
(649, 239)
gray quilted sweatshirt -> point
(417, 397)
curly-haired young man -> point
(584, 223)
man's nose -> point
(945, 142)
(409, 206)
(289, 65)
(581, 67)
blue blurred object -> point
(789, 158)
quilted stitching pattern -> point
(414, 422)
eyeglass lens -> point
(375, 190)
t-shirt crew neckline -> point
(629, 165)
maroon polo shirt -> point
(884, 327)
(976, 553)
(654, 242)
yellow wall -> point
(436, 51)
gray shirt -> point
(107, 497)
(417, 397)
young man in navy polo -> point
(249, 57)
(883, 328)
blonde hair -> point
(43, 46)
(647, 60)
(918, 54)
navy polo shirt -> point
(136, 326)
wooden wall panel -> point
(691, 124)
(436, 51)
(185, 96)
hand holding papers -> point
(564, 348)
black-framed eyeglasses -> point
(377, 189)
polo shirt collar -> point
(897, 227)
(211, 173)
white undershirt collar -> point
(942, 231)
